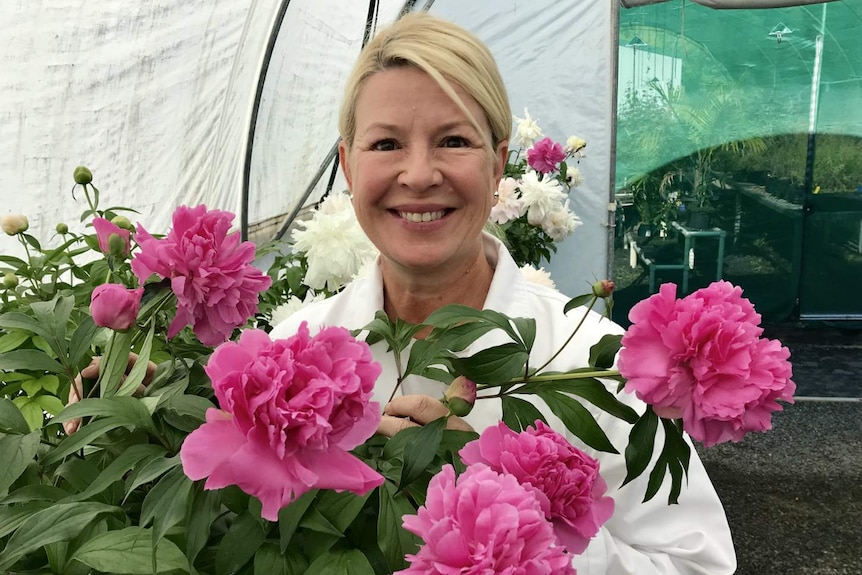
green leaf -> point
(60, 522)
(239, 544)
(31, 411)
(205, 507)
(191, 406)
(420, 451)
(526, 327)
(341, 562)
(578, 301)
(16, 453)
(126, 410)
(81, 340)
(603, 353)
(382, 327)
(34, 493)
(577, 420)
(641, 444)
(20, 321)
(152, 470)
(49, 403)
(136, 375)
(394, 541)
(290, 516)
(269, 561)
(49, 383)
(13, 340)
(166, 503)
(130, 551)
(80, 438)
(114, 363)
(518, 414)
(340, 509)
(11, 517)
(54, 315)
(590, 389)
(29, 359)
(11, 420)
(493, 365)
(117, 469)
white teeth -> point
(422, 217)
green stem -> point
(577, 327)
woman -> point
(425, 125)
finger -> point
(71, 426)
(390, 425)
(92, 370)
(458, 424)
(148, 374)
(420, 408)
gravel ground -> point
(793, 495)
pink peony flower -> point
(701, 358)
(114, 306)
(561, 475)
(210, 271)
(545, 155)
(483, 523)
(104, 230)
(290, 411)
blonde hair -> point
(444, 51)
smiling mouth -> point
(419, 217)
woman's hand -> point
(92, 372)
(415, 410)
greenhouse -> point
(261, 260)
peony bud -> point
(104, 231)
(14, 224)
(603, 288)
(83, 175)
(114, 306)
(460, 396)
(117, 246)
(123, 222)
(10, 280)
(62, 228)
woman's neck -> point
(413, 296)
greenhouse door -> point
(831, 282)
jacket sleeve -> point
(690, 537)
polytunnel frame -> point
(331, 156)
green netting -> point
(739, 155)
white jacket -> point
(640, 538)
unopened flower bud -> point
(10, 280)
(460, 396)
(83, 175)
(14, 224)
(62, 228)
(603, 288)
(123, 222)
(117, 245)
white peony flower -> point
(574, 177)
(334, 245)
(293, 305)
(575, 146)
(527, 131)
(336, 203)
(538, 276)
(559, 224)
(509, 206)
(540, 197)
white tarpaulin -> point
(158, 99)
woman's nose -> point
(419, 170)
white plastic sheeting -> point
(157, 98)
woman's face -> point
(422, 179)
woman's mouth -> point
(419, 217)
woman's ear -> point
(343, 157)
(501, 155)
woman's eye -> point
(384, 146)
(455, 142)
